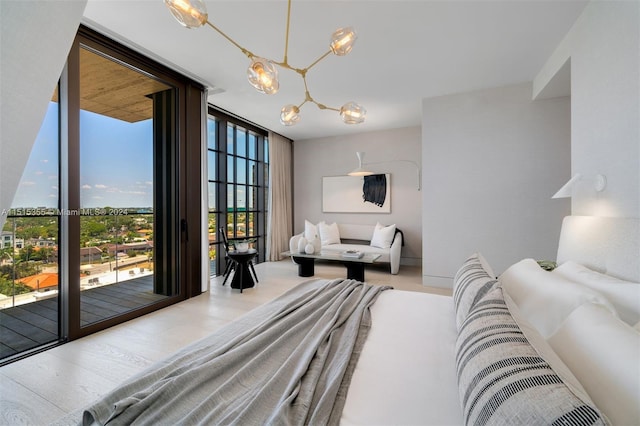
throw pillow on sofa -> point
(329, 234)
(383, 236)
(310, 230)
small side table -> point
(547, 265)
(242, 276)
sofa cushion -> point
(329, 234)
(383, 235)
(339, 248)
(358, 232)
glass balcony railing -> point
(28, 257)
(114, 248)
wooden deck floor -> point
(34, 324)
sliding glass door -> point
(120, 109)
(106, 223)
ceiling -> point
(111, 89)
(407, 50)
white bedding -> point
(406, 372)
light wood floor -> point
(54, 386)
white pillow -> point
(546, 299)
(383, 235)
(603, 353)
(310, 230)
(546, 352)
(329, 234)
(623, 295)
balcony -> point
(29, 325)
(116, 275)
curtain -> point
(280, 213)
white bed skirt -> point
(406, 372)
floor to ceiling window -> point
(29, 249)
(100, 229)
(238, 168)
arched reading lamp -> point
(361, 171)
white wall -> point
(604, 49)
(35, 41)
(336, 156)
(492, 159)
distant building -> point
(90, 254)
(7, 240)
(41, 282)
(140, 248)
(41, 242)
(145, 233)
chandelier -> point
(263, 73)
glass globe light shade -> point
(263, 75)
(352, 113)
(190, 13)
(342, 41)
(289, 115)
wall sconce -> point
(362, 171)
(599, 183)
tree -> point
(45, 254)
(9, 288)
(94, 228)
(27, 253)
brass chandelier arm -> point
(317, 60)
(285, 61)
(301, 71)
(284, 64)
(286, 37)
(232, 41)
(262, 72)
(309, 98)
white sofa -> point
(358, 237)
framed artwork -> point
(356, 194)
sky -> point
(116, 164)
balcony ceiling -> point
(111, 89)
(406, 51)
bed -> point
(528, 347)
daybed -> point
(530, 348)
(387, 241)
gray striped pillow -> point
(502, 380)
(471, 283)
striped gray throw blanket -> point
(288, 362)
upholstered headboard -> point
(609, 245)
